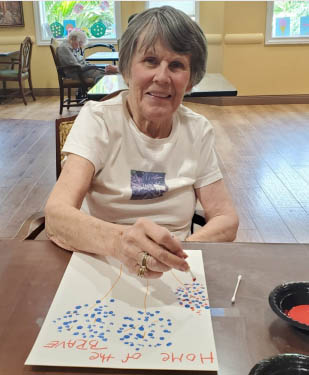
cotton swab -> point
(236, 288)
(192, 275)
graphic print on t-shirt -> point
(147, 185)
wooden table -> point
(245, 333)
(213, 84)
(6, 57)
(8, 54)
(103, 56)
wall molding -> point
(251, 100)
(214, 39)
(257, 38)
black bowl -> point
(282, 364)
(288, 295)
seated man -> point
(70, 53)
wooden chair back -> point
(53, 47)
(63, 127)
(25, 55)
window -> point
(190, 7)
(287, 22)
(99, 19)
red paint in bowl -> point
(300, 313)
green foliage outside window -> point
(86, 14)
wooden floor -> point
(263, 151)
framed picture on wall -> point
(11, 14)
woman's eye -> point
(151, 60)
(177, 65)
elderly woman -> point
(70, 52)
(142, 158)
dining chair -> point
(21, 73)
(69, 83)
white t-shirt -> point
(138, 176)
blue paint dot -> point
(112, 300)
(139, 336)
(97, 301)
(169, 344)
(162, 338)
(79, 327)
(98, 320)
(141, 328)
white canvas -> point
(103, 317)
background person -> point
(69, 52)
(142, 158)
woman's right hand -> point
(165, 251)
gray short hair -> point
(79, 36)
(175, 29)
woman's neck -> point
(154, 129)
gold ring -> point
(144, 259)
(141, 271)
